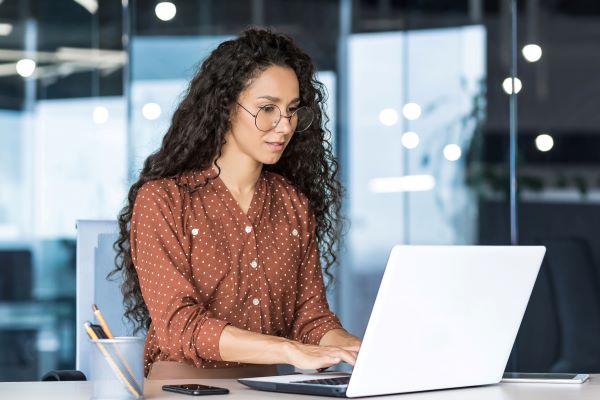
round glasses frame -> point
(289, 117)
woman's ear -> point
(233, 112)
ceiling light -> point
(388, 117)
(544, 142)
(100, 115)
(532, 52)
(151, 111)
(165, 11)
(410, 140)
(507, 85)
(5, 29)
(452, 152)
(25, 67)
(411, 111)
(90, 5)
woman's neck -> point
(239, 174)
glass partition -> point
(559, 183)
(63, 157)
(419, 84)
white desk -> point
(506, 391)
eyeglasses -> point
(268, 117)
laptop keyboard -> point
(344, 380)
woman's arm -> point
(239, 345)
(184, 328)
(312, 315)
(340, 338)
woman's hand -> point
(308, 356)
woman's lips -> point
(275, 146)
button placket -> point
(252, 246)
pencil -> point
(110, 361)
(103, 323)
(108, 332)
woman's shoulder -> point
(175, 185)
(160, 192)
(158, 187)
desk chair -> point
(560, 329)
(95, 259)
(576, 285)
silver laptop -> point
(444, 317)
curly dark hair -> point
(197, 134)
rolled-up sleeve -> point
(182, 323)
(312, 316)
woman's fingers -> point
(348, 356)
(316, 357)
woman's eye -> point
(268, 109)
(293, 109)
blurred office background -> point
(419, 116)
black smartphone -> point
(194, 389)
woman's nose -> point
(284, 125)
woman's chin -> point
(270, 159)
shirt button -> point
(255, 301)
(248, 229)
(195, 231)
(295, 232)
(253, 264)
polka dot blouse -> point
(203, 264)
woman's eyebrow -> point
(276, 99)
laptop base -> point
(297, 388)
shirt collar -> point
(194, 179)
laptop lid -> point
(444, 317)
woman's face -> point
(275, 86)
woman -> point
(219, 243)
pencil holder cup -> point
(117, 368)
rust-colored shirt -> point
(202, 264)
